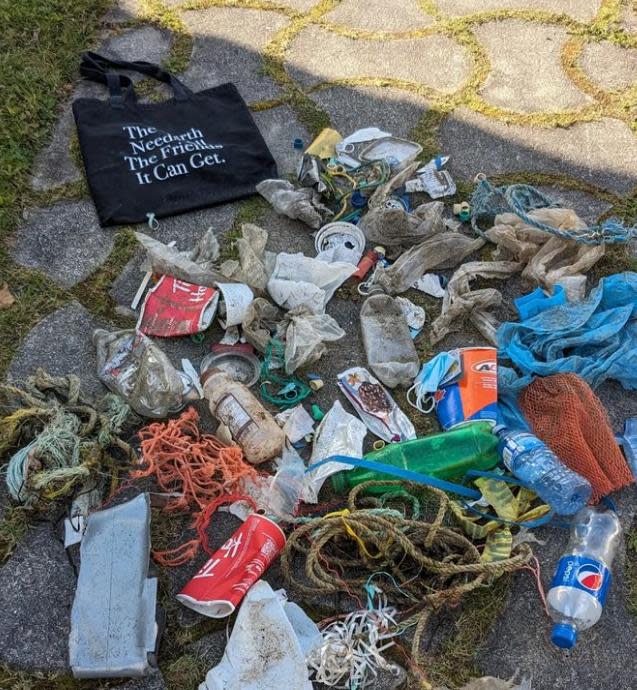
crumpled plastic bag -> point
(196, 266)
(549, 258)
(303, 204)
(595, 338)
(390, 350)
(460, 300)
(252, 267)
(131, 365)
(339, 433)
(301, 281)
(268, 645)
(306, 336)
(445, 250)
(263, 321)
(392, 227)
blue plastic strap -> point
(401, 473)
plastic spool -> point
(340, 233)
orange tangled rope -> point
(197, 467)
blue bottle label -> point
(583, 573)
(514, 446)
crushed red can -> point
(174, 307)
(220, 585)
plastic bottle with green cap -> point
(448, 455)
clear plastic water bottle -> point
(582, 577)
(533, 463)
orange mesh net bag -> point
(563, 411)
(202, 472)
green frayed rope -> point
(489, 201)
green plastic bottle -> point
(448, 455)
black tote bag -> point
(191, 151)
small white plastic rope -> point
(351, 653)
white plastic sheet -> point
(339, 433)
(301, 281)
(268, 645)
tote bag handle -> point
(102, 70)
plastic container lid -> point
(564, 636)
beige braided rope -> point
(432, 563)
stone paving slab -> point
(35, 626)
(522, 77)
(583, 10)
(227, 45)
(602, 153)
(279, 127)
(64, 240)
(318, 55)
(380, 15)
(610, 66)
(61, 344)
(349, 108)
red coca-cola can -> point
(217, 589)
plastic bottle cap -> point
(564, 636)
(298, 144)
(358, 200)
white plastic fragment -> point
(113, 626)
(339, 433)
(268, 645)
(430, 284)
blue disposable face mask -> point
(441, 369)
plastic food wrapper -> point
(131, 365)
(431, 178)
(302, 204)
(253, 265)
(262, 322)
(595, 338)
(414, 315)
(339, 433)
(300, 281)
(113, 620)
(445, 250)
(460, 300)
(196, 266)
(549, 258)
(306, 336)
(396, 152)
(430, 284)
(296, 423)
(375, 406)
(174, 307)
(324, 146)
(268, 645)
(286, 487)
(392, 227)
(390, 349)
(349, 149)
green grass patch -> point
(13, 527)
(455, 663)
(631, 569)
(41, 45)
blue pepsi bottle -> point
(582, 577)
(533, 463)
